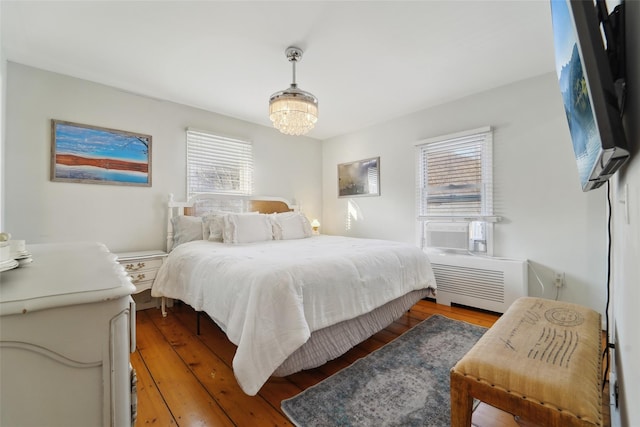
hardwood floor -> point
(186, 379)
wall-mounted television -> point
(584, 67)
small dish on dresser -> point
(8, 265)
(20, 255)
(24, 261)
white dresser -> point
(67, 327)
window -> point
(455, 176)
(455, 191)
(217, 164)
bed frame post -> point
(169, 227)
(163, 306)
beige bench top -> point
(545, 351)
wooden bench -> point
(540, 361)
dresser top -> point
(63, 274)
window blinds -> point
(455, 176)
(217, 164)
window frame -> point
(239, 159)
(481, 139)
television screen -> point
(588, 93)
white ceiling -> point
(366, 61)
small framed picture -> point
(96, 155)
(359, 178)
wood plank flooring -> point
(186, 379)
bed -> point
(288, 299)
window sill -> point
(443, 218)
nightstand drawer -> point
(139, 277)
(136, 266)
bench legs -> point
(461, 402)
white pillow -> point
(186, 229)
(243, 228)
(290, 225)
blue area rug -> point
(404, 383)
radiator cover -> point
(477, 281)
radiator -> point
(481, 282)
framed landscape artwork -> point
(96, 155)
(359, 178)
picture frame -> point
(96, 155)
(360, 178)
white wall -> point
(3, 92)
(626, 241)
(125, 218)
(547, 218)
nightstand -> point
(142, 267)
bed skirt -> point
(333, 341)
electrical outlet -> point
(559, 280)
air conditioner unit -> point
(477, 281)
(447, 235)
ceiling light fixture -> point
(293, 111)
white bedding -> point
(269, 296)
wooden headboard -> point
(269, 206)
(201, 204)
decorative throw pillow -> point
(186, 229)
(212, 225)
(290, 225)
(243, 228)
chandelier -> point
(293, 111)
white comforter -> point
(268, 297)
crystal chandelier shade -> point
(293, 111)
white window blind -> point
(455, 176)
(217, 164)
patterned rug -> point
(404, 383)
